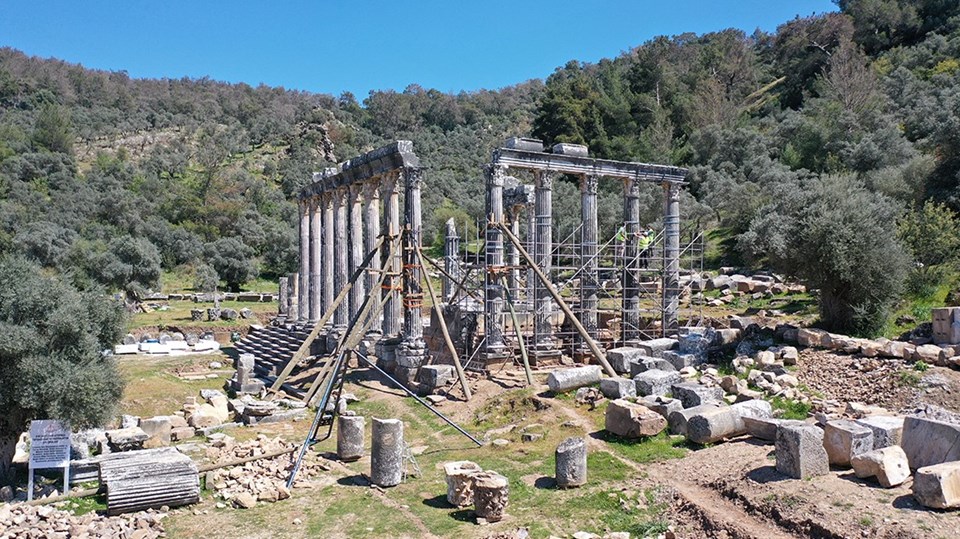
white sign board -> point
(49, 444)
(49, 448)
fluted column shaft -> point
(412, 293)
(671, 255)
(494, 261)
(543, 243)
(328, 292)
(631, 270)
(303, 299)
(316, 282)
(371, 223)
(341, 259)
(390, 193)
(588, 253)
(356, 244)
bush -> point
(51, 360)
(840, 238)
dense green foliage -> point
(51, 361)
(868, 96)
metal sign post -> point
(49, 448)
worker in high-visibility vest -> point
(643, 246)
(620, 240)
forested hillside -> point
(829, 149)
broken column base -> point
(410, 356)
(545, 353)
(386, 351)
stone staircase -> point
(273, 346)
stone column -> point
(390, 191)
(513, 254)
(671, 256)
(341, 264)
(328, 262)
(631, 270)
(493, 297)
(350, 437)
(316, 283)
(303, 299)
(283, 296)
(293, 301)
(451, 260)
(571, 462)
(371, 222)
(543, 254)
(588, 254)
(412, 350)
(357, 293)
(386, 452)
(530, 246)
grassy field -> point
(343, 505)
(177, 314)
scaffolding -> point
(620, 289)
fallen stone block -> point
(618, 388)
(887, 430)
(888, 465)
(681, 360)
(459, 476)
(662, 405)
(655, 347)
(620, 358)
(629, 420)
(845, 439)
(677, 420)
(126, 439)
(158, 429)
(810, 337)
(693, 394)
(765, 428)
(800, 453)
(938, 486)
(713, 425)
(567, 379)
(656, 382)
(928, 442)
(435, 376)
(646, 363)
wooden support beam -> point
(443, 329)
(305, 346)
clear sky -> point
(362, 45)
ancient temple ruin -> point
(361, 268)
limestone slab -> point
(928, 442)
(888, 465)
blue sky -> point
(362, 45)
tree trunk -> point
(8, 448)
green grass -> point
(89, 504)
(178, 314)
(791, 409)
(919, 307)
(181, 281)
(908, 378)
(646, 450)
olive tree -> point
(51, 362)
(841, 239)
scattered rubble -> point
(21, 520)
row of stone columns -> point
(338, 228)
(540, 233)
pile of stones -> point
(25, 521)
(882, 448)
(943, 355)
(262, 480)
(733, 285)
